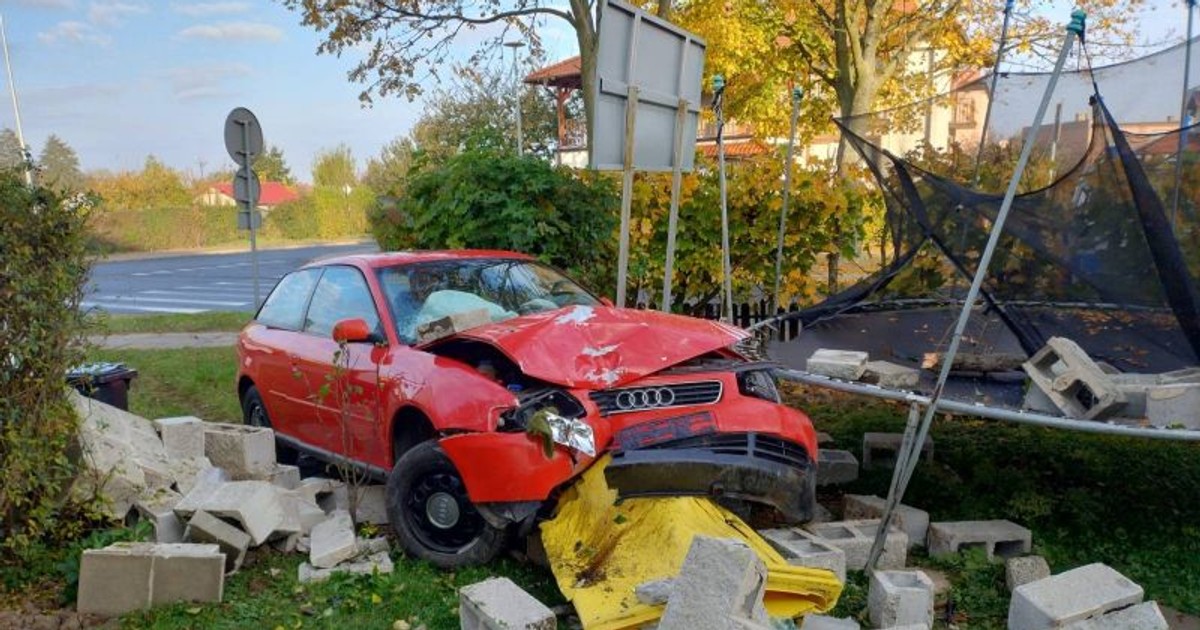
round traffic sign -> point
(243, 136)
(246, 188)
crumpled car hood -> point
(598, 347)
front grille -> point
(758, 445)
(628, 399)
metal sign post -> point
(797, 94)
(626, 194)
(244, 142)
(726, 267)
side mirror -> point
(607, 302)
(353, 331)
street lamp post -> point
(517, 94)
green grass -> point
(181, 382)
(212, 321)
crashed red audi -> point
(480, 384)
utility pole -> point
(517, 95)
(12, 88)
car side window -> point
(341, 294)
(284, 307)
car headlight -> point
(758, 384)
(572, 433)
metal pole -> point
(797, 94)
(1183, 122)
(12, 88)
(987, 116)
(1074, 29)
(517, 94)
(673, 218)
(250, 211)
(631, 106)
(726, 267)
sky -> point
(122, 79)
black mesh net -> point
(1101, 245)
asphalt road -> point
(195, 283)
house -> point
(273, 194)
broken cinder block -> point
(182, 436)
(844, 364)
(131, 576)
(855, 538)
(720, 586)
(998, 538)
(1022, 570)
(1073, 381)
(1144, 616)
(891, 375)
(836, 467)
(233, 542)
(159, 509)
(1080, 593)
(245, 452)
(913, 521)
(256, 505)
(875, 443)
(379, 563)
(1174, 406)
(898, 598)
(499, 603)
(803, 549)
(333, 541)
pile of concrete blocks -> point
(888, 443)
(1091, 597)
(805, 549)
(499, 603)
(852, 365)
(913, 521)
(855, 538)
(998, 538)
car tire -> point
(431, 514)
(254, 413)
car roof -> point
(390, 259)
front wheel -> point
(433, 517)
(254, 413)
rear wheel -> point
(254, 413)
(431, 513)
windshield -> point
(479, 289)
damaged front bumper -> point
(747, 466)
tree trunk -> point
(664, 9)
(585, 34)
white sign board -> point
(666, 64)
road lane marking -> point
(99, 304)
(134, 298)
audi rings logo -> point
(648, 398)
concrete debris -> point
(999, 538)
(891, 375)
(1074, 595)
(285, 476)
(333, 541)
(182, 437)
(205, 483)
(836, 467)
(306, 512)
(844, 364)
(720, 585)
(321, 491)
(233, 542)
(1073, 381)
(804, 549)
(256, 506)
(855, 538)
(159, 509)
(822, 622)
(372, 546)
(888, 444)
(245, 452)
(131, 576)
(1022, 570)
(1175, 406)
(379, 563)
(499, 603)
(897, 598)
(654, 592)
(1144, 616)
(371, 504)
(914, 521)
(185, 470)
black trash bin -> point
(107, 382)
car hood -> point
(597, 347)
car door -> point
(342, 381)
(271, 349)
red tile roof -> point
(737, 149)
(273, 193)
(566, 74)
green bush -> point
(294, 220)
(490, 200)
(41, 335)
(151, 229)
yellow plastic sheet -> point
(600, 552)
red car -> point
(481, 383)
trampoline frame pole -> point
(910, 450)
(987, 111)
(1183, 123)
(797, 94)
(718, 83)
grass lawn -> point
(181, 382)
(212, 321)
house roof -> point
(273, 193)
(564, 74)
(737, 149)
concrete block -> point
(307, 514)
(379, 563)
(897, 598)
(843, 364)
(891, 375)
(1144, 616)
(204, 484)
(1023, 570)
(720, 586)
(159, 509)
(285, 476)
(998, 538)
(498, 603)
(132, 576)
(803, 549)
(185, 470)
(1073, 381)
(233, 542)
(333, 541)
(836, 467)
(855, 538)
(1174, 406)
(824, 438)
(1080, 593)
(822, 622)
(320, 491)
(372, 546)
(255, 505)
(182, 437)
(888, 444)
(913, 521)
(1037, 401)
(370, 506)
(654, 592)
(244, 452)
